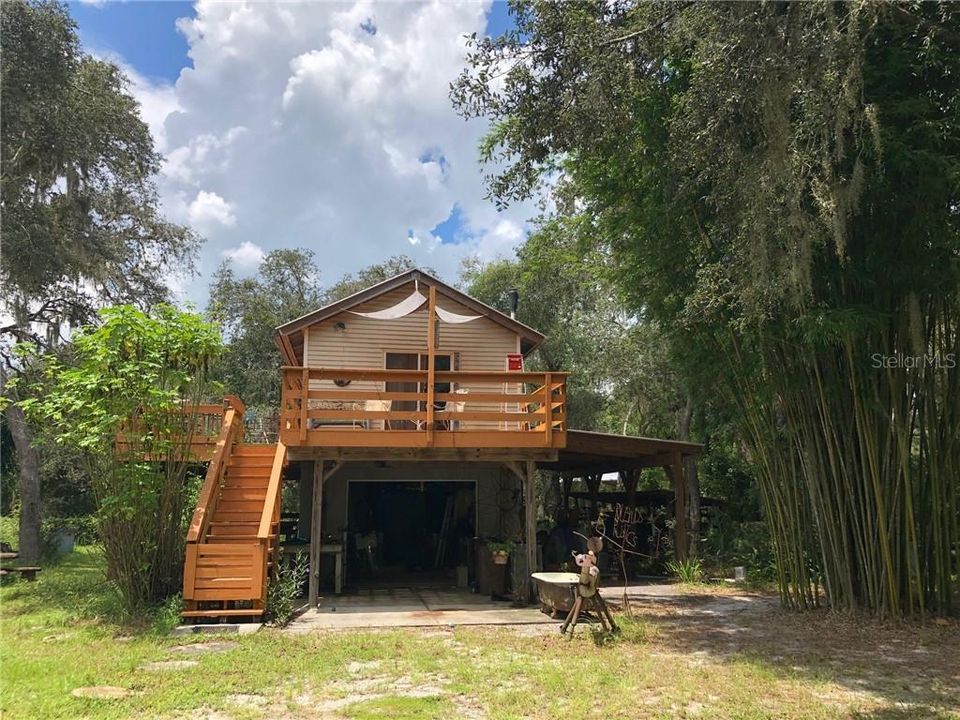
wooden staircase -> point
(232, 544)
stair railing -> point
(270, 517)
(231, 425)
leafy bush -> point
(166, 615)
(284, 588)
(729, 543)
(135, 377)
(687, 571)
(9, 529)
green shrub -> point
(10, 529)
(133, 375)
(729, 543)
(687, 571)
(284, 588)
(166, 615)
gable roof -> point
(289, 336)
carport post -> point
(315, 540)
(681, 522)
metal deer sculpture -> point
(588, 590)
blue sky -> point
(410, 184)
(144, 34)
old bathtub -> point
(557, 591)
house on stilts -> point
(408, 428)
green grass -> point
(63, 632)
(9, 530)
(429, 708)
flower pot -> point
(500, 558)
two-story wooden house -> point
(413, 426)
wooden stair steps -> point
(241, 505)
(253, 450)
(251, 462)
(218, 523)
(242, 493)
(244, 475)
(226, 612)
(231, 538)
(236, 516)
(231, 563)
(239, 490)
(224, 571)
(244, 484)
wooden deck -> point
(363, 408)
(197, 441)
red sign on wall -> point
(514, 361)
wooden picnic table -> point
(26, 572)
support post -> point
(305, 496)
(692, 481)
(304, 404)
(629, 478)
(680, 519)
(315, 531)
(530, 522)
(431, 360)
(593, 485)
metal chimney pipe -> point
(514, 295)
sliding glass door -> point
(415, 361)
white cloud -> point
(203, 154)
(209, 210)
(157, 101)
(327, 136)
(247, 256)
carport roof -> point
(596, 452)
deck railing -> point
(230, 426)
(194, 439)
(398, 408)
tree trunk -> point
(28, 465)
(693, 481)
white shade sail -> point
(411, 304)
(401, 309)
(454, 318)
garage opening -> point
(403, 533)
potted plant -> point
(500, 551)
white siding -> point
(483, 344)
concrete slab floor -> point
(411, 607)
